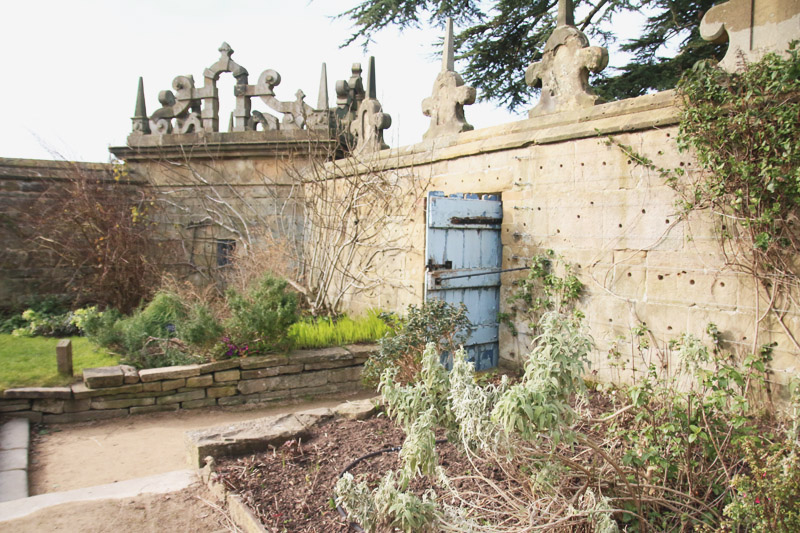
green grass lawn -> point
(31, 361)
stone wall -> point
(564, 187)
(111, 392)
(29, 270)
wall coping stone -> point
(169, 372)
(633, 114)
(81, 391)
(103, 377)
(57, 393)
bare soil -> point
(291, 487)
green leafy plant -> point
(261, 317)
(436, 321)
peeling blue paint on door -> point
(463, 253)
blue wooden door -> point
(463, 255)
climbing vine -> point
(743, 128)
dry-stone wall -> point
(115, 391)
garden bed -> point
(290, 488)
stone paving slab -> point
(250, 436)
(15, 433)
(13, 486)
(14, 444)
(158, 484)
(16, 459)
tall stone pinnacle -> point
(566, 13)
(141, 109)
(448, 51)
(322, 99)
(372, 91)
(141, 124)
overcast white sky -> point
(73, 66)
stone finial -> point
(752, 27)
(563, 72)
(322, 98)
(370, 120)
(141, 124)
(446, 104)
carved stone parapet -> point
(190, 109)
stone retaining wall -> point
(115, 391)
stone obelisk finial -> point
(566, 13)
(563, 72)
(448, 53)
(446, 104)
(322, 98)
(372, 89)
(141, 124)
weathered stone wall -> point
(29, 270)
(565, 187)
(111, 392)
(213, 190)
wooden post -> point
(64, 357)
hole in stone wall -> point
(620, 225)
(691, 282)
(721, 283)
(667, 221)
(660, 276)
(538, 208)
(579, 216)
(558, 231)
(644, 211)
(591, 203)
(629, 274)
(669, 328)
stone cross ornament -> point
(752, 27)
(563, 72)
(446, 104)
(368, 121)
